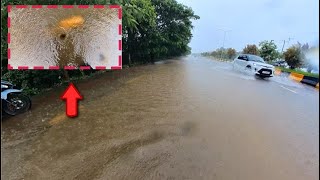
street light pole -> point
(284, 42)
(224, 38)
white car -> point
(254, 64)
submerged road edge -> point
(311, 81)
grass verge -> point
(298, 71)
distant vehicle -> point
(254, 64)
(13, 100)
(280, 63)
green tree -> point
(251, 49)
(231, 53)
(293, 56)
(174, 27)
(268, 50)
(138, 26)
(205, 54)
(164, 30)
(221, 53)
(152, 29)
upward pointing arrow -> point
(71, 95)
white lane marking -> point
(288, 89)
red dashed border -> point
(10, 67)
(85, 67)
(52, 6)
(21, 6)
(38, 67)
(54, 67)
(67, 7)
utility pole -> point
(284, 42)
(224, 38)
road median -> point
(309, 80)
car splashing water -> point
(61, 37)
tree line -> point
(294, 55)
(152, 30)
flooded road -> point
(192, 118)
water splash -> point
(312, 58)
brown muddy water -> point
(64, 37)
(191, 118)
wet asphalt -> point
(189, 118)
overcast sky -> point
(252, 21)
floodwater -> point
(192, 118)
(64, 37)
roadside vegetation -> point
(152, 30)
(251, 49)
(294, 56)
(222, 54)
(283, 69)
(268, 51)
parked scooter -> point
(13, 100)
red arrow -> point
(71, 95)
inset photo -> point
(64, 37)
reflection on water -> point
(49, 37)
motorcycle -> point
(13, 100)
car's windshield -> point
(255, 58)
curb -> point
(311, 81)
